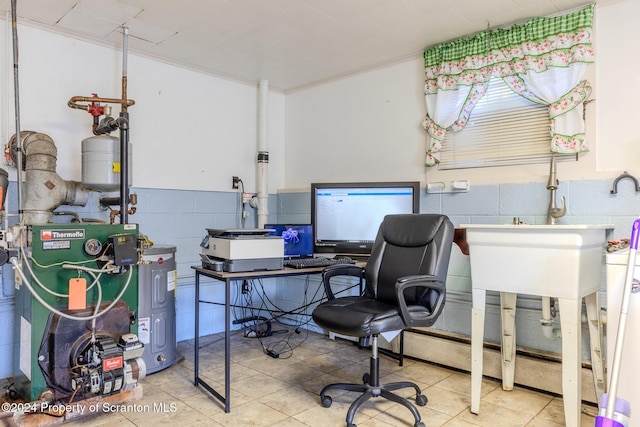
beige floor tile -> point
(250, 414)
(541, 422)
(177, 378)
(496, 416)
(258, 385)
(371, 408)
(423, 373)
(303, 353)
(329, 362)
(290, 401)
(236, 397)
(461, 383)
(284, 392)
(166, 414)
(399, 416)
(457, 422)
(352, 372)
(292, 372)
(102, 420)
(238, 372)
(290, 422)
(553, 413)
(319, 416)
(374, 422)
(446, 401)
(202, 401)
(521, 400)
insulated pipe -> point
(44, 189)
(263, 154)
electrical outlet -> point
(234, 182)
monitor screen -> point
(346, 216)
(298, 239)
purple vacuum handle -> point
(635, 233)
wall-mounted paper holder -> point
(458, 186)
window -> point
(504, 129)
(542, 60)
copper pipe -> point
(112, 216)
(73, 102)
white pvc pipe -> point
(263, 154)
(547, 321)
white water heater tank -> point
(101, 163)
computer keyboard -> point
(316, 262)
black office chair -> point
(404, 288)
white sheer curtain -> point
(563, 91)
(449, 109)
(443, 110)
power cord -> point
(281, 348)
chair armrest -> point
(422, 281)
(339, 270)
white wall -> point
(194, 131)
(362, 128)
(189, 130)
(367, 126)
(618, 91)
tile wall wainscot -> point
(180, 218)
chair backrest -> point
(406, 245)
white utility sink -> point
(563, 261)
(557, 261)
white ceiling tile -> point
(172, 14)
(107, 10)
(44, 11)
(292, 43)
(140, 4)
(147, 31)
(85, 24)
(562, 5)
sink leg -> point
(479, 297)
(570, 314)
(508, 349)
(592, 303)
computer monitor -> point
(346, 216)
(298, 239)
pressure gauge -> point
(92, 247)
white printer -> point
(241, 249)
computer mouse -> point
(345, 260)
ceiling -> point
(291, 43)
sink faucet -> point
(554, 212)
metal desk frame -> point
(227, 278)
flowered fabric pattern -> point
(542, 60)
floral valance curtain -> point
(543, 60)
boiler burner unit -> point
(77, 311)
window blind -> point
(504, 129)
